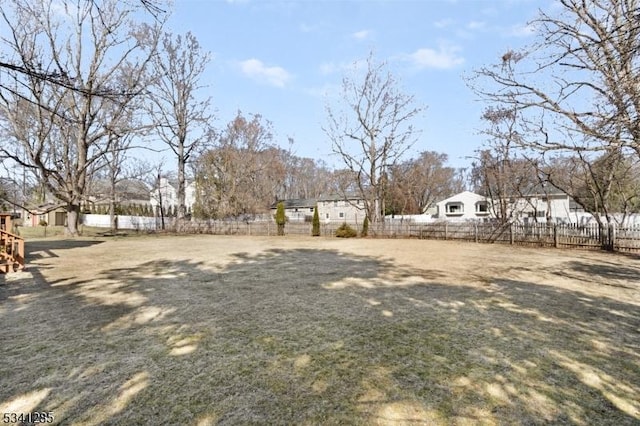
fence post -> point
(603, 237)
(612, 236)
(556, 243)
(475, 231)
(446, 230)
(511, 233)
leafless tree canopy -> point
(61, 131)
(240, 177)
(182, 120)
(576, 90)
(370, 129)
(416, 184)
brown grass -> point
(236, 330)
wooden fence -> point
(613, 237)
(617, 238)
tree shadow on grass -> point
(49, 248)
(608, 274)
(316, 336)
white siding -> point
(463, 206)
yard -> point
(263, 330)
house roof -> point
(544, 188)
(296, 203)
(463, 194)
(311, 202)
(339, 197)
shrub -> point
(345, 231)
(281, 219)
(315, 231)
(365, 227)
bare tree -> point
(305, 178)
(182, 121)
(64, 128)
(501, 171)
(416, 184)
(121, 167)
(242, 175)
(156, 8)
(370, 129)
(603, 187)
(576, 88)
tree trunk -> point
(181, 190)
(112, 207)
(73, 216)
(113, 221)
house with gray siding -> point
(331, 209)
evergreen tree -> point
(315, 232)
(281, 219)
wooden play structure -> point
(11, 246)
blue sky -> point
(281, 59)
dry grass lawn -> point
(253, 330)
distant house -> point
(53, 214)
(331, 209)
(341, 208)
(546, 203)
(297, 210)
(128, 192)
(466, 205)
(168, 194)
(541, 204)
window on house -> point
(327, 215)
(311, 209)
(482, 207)
(541, 213)
(455, 208)
(341, 214)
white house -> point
(546, 203)
(540, 205)
(167, 192)
(466, 205)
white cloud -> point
(445, 57)
(443, 23)
(328, 90)
(476, 25)
(361, 35)
(521, 30)
(256, 70)
(307, 28)
(328, 68)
